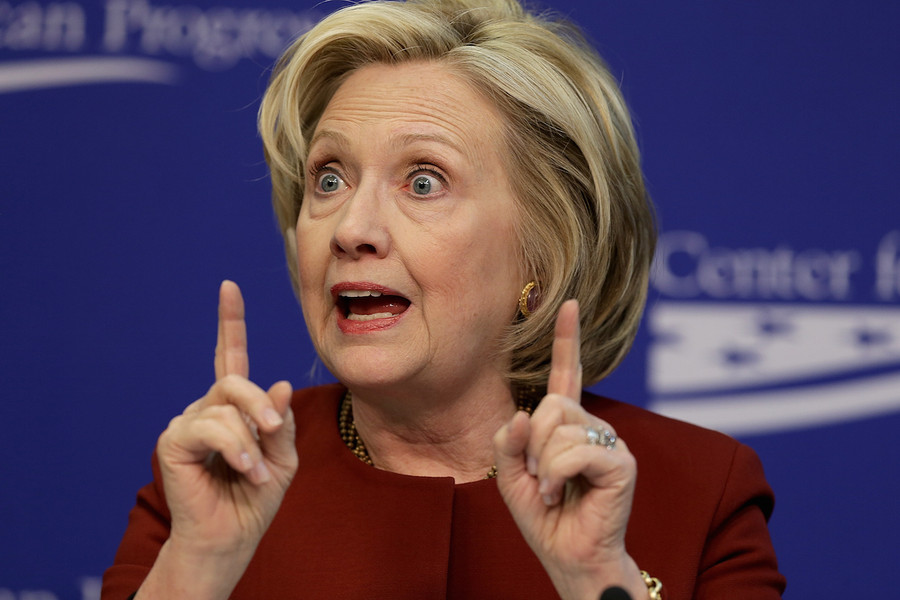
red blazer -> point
(347, 530)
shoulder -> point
(701, 499)
(627, 418)
(681, 457)
(676, 451)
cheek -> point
(312, 261)
(307, 241)
(472, 274)
(501, 272)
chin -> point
(370, 368)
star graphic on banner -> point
(869, 337)
(771, 324)
(740, 357)
(667, 338)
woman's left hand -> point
(570, 499)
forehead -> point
(415, 100)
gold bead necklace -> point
(526, 399)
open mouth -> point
(369, 305)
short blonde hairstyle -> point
(585, 224)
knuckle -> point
(216, 385)
(227, 414)
(557, 402)
(175, 431)
(231, 446)
(165, 437)
(215, 411)
(569, 403)
(560, 436)
(231, 380)
(174, 423)
(226, 411)
(550, 401)
(221, 412)
(556, 468)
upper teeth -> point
(359, 294)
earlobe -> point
(290, 246)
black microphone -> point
(615, 593)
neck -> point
(432, 434)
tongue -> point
(370, 305)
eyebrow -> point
(411, 138)
(338, 138)
(405, 139)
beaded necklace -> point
(526, 399)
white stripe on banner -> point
(783, 409)
(59, 72)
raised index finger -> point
(231, 341)
(565, 364)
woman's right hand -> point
(226, 463)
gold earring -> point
(528, 300)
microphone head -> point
(615, 593)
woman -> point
(446, 174)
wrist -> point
(184, 570)
(590, 583)
(623, 573)
(203, 547)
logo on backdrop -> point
(759, 340)
(72, 43)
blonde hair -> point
(585, 224)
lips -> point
(365, 306)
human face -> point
(407, 255)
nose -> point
(362, 229)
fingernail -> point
(548, 499)
(260, 473)
(531, 465)
(246, 461)
(272, 418)
(544, 487)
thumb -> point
(510, 442)
(280, 393)
(279, 444)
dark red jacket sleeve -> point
(738, 561)
(148, 529)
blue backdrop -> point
(131, 183)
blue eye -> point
(421, 185)
(426, 183)
(329, 182)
